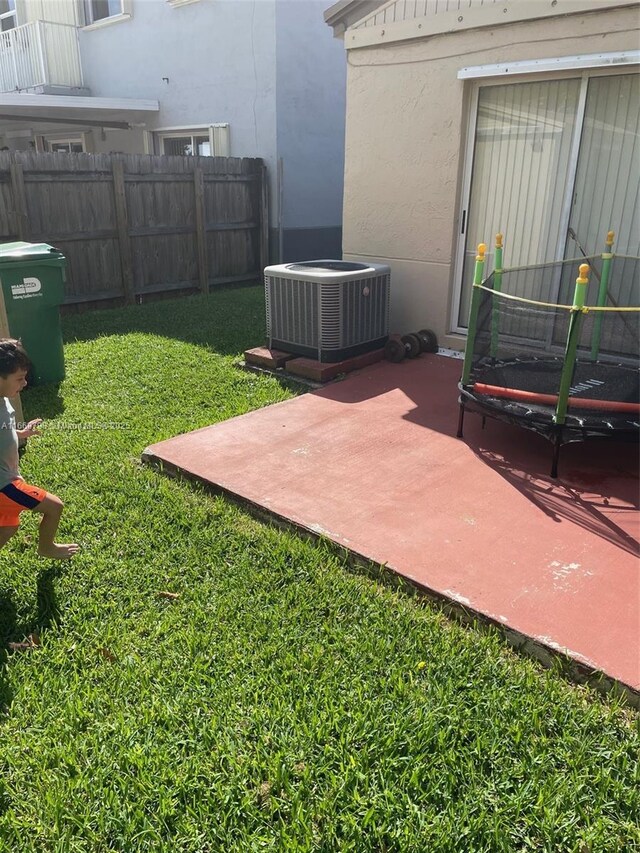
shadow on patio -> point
(372, 464)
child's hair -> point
(13, 357)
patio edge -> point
(548, 656)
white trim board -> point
(559, 63)
(77, 102)
(190, 127)
(388, 23)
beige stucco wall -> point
(406, 117)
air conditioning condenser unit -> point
(327, 310)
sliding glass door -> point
(551, 159)
(607, 184)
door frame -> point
(467, 174)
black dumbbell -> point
(428, 340)
(397, 348)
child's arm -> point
(30, 430)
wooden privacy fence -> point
(131, 225)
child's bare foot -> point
(58, 552)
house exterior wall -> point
(218, 59)
(270, 68)
(310, 130)
(405, 142)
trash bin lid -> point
(27, 251)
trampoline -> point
(562, 360)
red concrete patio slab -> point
(373, 464)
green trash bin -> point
(32, 277)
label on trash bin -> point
(29, 287)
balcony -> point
(41, 57)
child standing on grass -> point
(15, 494)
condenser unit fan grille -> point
(323, 309)
(293, 311)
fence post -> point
(123, 232)
(23, 229)
(264, 218)
(201, 232)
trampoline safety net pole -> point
(607, 258)
(572, 344)
(497, 286)
(473, 313)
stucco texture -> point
(406, 119)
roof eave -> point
(345, 13)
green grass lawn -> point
(281, 701)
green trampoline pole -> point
(607, 258)
(571, 349)
(497, 286)
(473, 313)
(572, 345)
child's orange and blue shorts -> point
(15, 498)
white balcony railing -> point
(39, 54)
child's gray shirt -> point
(9, 458)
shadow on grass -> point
(7, 630)
(13, 630)
(42, 401)
(228, 320)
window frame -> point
(467, 150)
(124, 14)
(208, 130)
(11, 13)
(186, 134)
(65, 140)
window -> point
(187, 145)
(99, 10)
(8, 18)
(66, 146)
(212, 141)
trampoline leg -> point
(460, 420)
(484, 422)
(556, 456)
